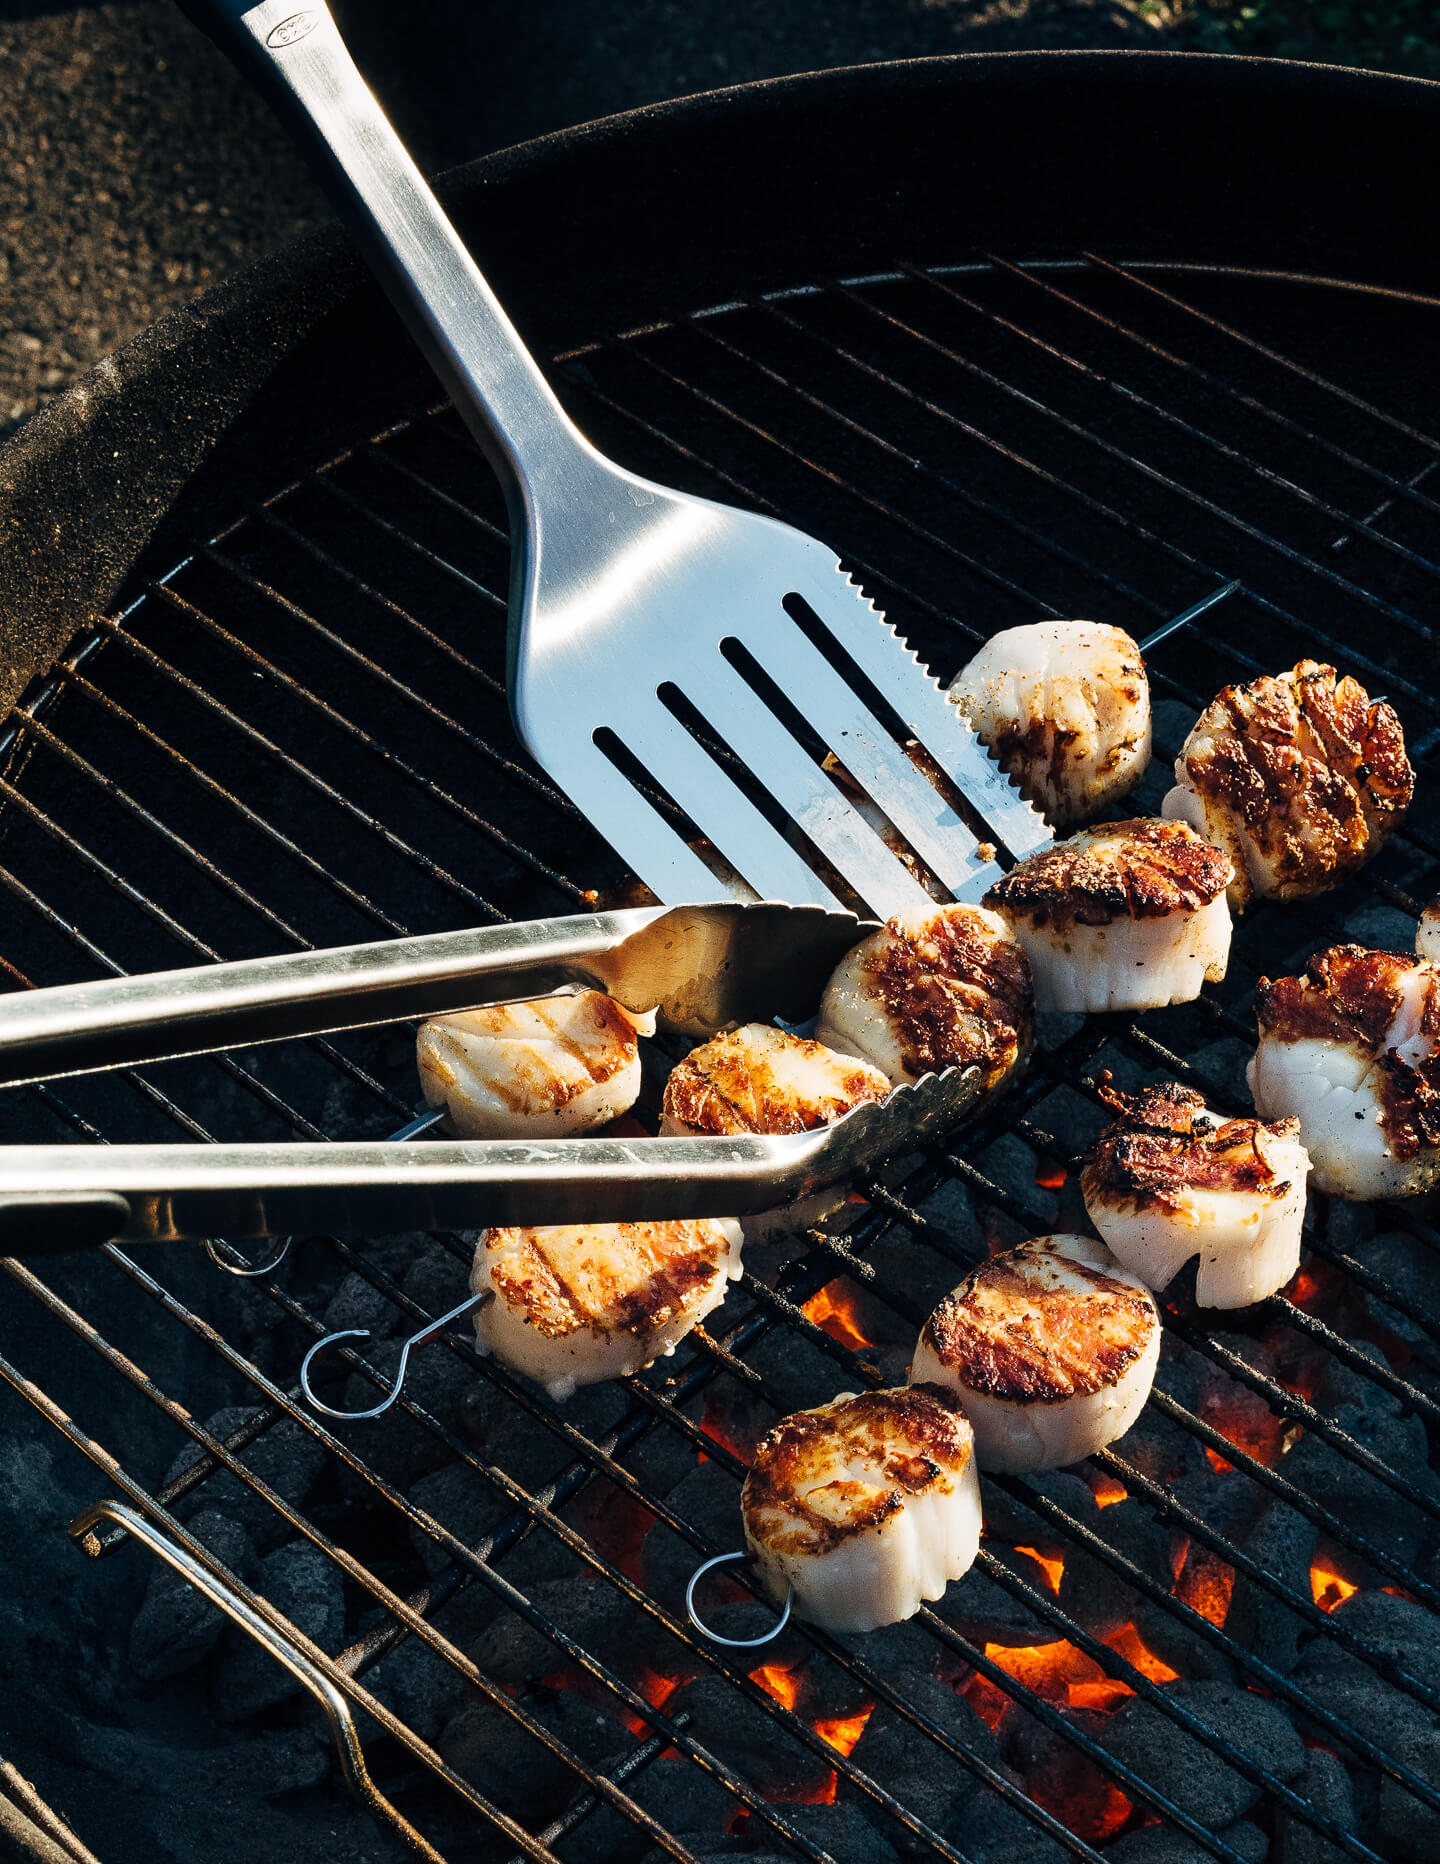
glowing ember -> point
(1107, 1490)
(1050, 1174)
(1054, 1566)
(843, 1733)
(1126, 1643)
(1204, 1582)
(1248, 1422)
(782, 1684)
(1329, 1587)
(836, 1311)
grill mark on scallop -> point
(1354, 996)
(1143, 869)
(1312, 771)
(745, 1082)
(1165, 1144)
(639, 1275)
(799, 1498)
(1021, 1328)
(959, 994)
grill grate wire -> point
(225, 662)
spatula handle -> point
(298, 60)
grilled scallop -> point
(577, 1303)
(1350, 1051)
(1171, 1180)
(562, 1064)
(763, 1080)
(1427, 933)
(1300, 778)
(1124, 916)
(941, 988)
(1065, 707)
(1051, 1349)
(865, 1506)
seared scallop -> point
(1051, 1348)
(1125, 916)
(558, 1065)
(762, 1080)
(1065, 707)
(1171, 1180)
(1300, 778)
(1427, 934)
(577, 1303)
(1350, 1051)
(864, 1507)
(936, 989)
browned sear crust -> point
(803, 1493)
(1353, 995)
(957, 994)
(1316, 773)
(1141, 869)
(1165, 1144)
(1014, 1331)
(611, 1278)
(731, 1084)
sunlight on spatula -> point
(679, 668)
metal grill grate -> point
(298, 736)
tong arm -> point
(161, 1015)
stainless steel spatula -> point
(636, 610)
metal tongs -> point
(701, 968)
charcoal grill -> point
(1193, 397)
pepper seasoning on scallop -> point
(544, 1069)
(1123, 916)
(1352, 1051)
(1301, 778)
(945, 987)
(1051, 1348)
(574, 1304)
(863, 1508)
(1171, 1180)
(756, 1079)
(1064, 706)
(1427, 934)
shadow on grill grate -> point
(1217, 1639)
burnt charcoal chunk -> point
(1281, 1542)
(422, 1688)
(461, 1501)
(306, 1585)
(505, 1761)
(177, 1625)
(898, 1652)
(844, 1832)
(1009, 1519)
(1199, 1781)
(922, 1775)
(745, 1736)
(1167, 1844)
(398, 1446)
(598, 1617)
(1092, 1592)
(997, 1832)
(1347, 1490)
(1326, 1785)
(708, 1500)
(985, 1610)
(357, 1303)
(286, 1457)
(1413, 1271)
(1343, 1683)
(1406, 1822)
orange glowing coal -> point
(1054, 1565)
(1107, 1489)
(1329, 1587)
(1063, 1675)
(1204, 1582)
(846, 1730)
(1050, 1174)
(836, 1311)
(777, 1681)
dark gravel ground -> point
(136, 169)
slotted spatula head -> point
(667, 650)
